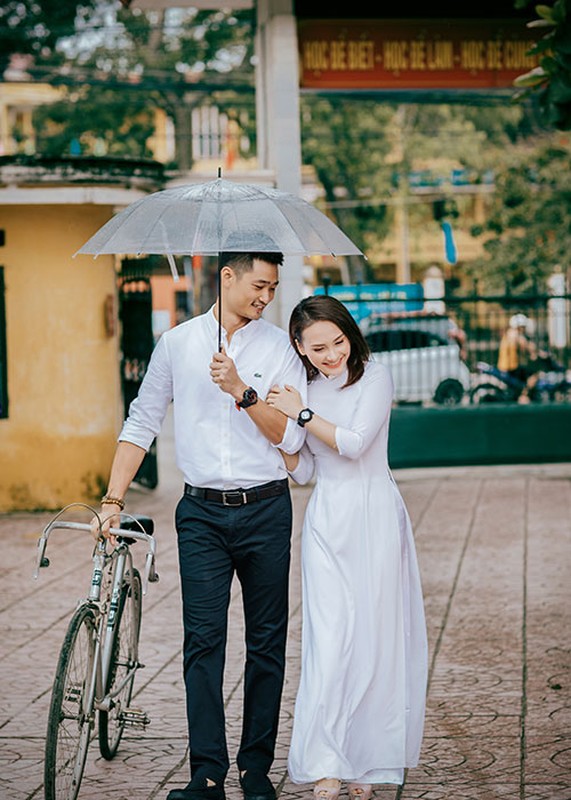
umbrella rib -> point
(311, 225)
(151, 229)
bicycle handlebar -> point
(150, 576)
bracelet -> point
(115, 501)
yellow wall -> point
(64, 388)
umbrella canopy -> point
(206, 218)
(220, 215)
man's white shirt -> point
(216, 444)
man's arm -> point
(127, 460)
(271, 422)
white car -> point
(425, 366)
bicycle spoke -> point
(70, 718)
(122, 667)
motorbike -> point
(492, 385)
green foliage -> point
(364, 152)
(34, 28)
(528, 228)
(98, 121)
(347, 143)
(550, 81)
(129, 62)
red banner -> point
(413, 54)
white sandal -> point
(360, 791)
(321, 792)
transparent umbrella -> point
(219, 216)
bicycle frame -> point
(123, 558)
(150, 574)
(105, 625)
(97, 698)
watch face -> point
(304, 416)
(249, 398)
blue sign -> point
(365, 299)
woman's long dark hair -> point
(323, 308)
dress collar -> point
(335, 380)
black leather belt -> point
(238, 497)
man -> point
(235, 513)
(518, 354)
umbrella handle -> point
(219, 307)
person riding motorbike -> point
(518, 354)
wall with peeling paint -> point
(64, 389)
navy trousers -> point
(215, 542)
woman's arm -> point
(371, 413)
(289, 402)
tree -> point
(125, 63)
(550, 81)
(98, 121)
(528, 229)
(34, 28)
(365, 153)
(346, 144)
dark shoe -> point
(197, 790)
(256, 786)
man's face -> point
(247, 294)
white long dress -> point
(359, 712)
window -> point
(388, 340)
(3, 364)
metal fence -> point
(447, 353)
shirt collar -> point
(245, 331)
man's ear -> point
(227, 273)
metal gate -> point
(137, 343)
(453, 403)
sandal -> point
(323, 792)
(360, 791)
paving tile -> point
(494, 552)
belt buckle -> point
(235, 494)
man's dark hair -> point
(244, 262)
(323, 308)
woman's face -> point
(326, 346)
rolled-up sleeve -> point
(148, 409)
(373, 408)
(293, 374)
(303, 473)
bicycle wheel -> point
(124, 659)
(70, 719)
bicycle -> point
(99, 656)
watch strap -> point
(249, 398)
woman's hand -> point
(286, 399)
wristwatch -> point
(304, 416)
(249, 398)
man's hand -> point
(223, 372)
(110, 518)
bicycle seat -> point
(137, 523)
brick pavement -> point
(494, 551)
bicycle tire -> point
(124, 657)
(69, 721)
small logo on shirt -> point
(257, 374)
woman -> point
(359, 711)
